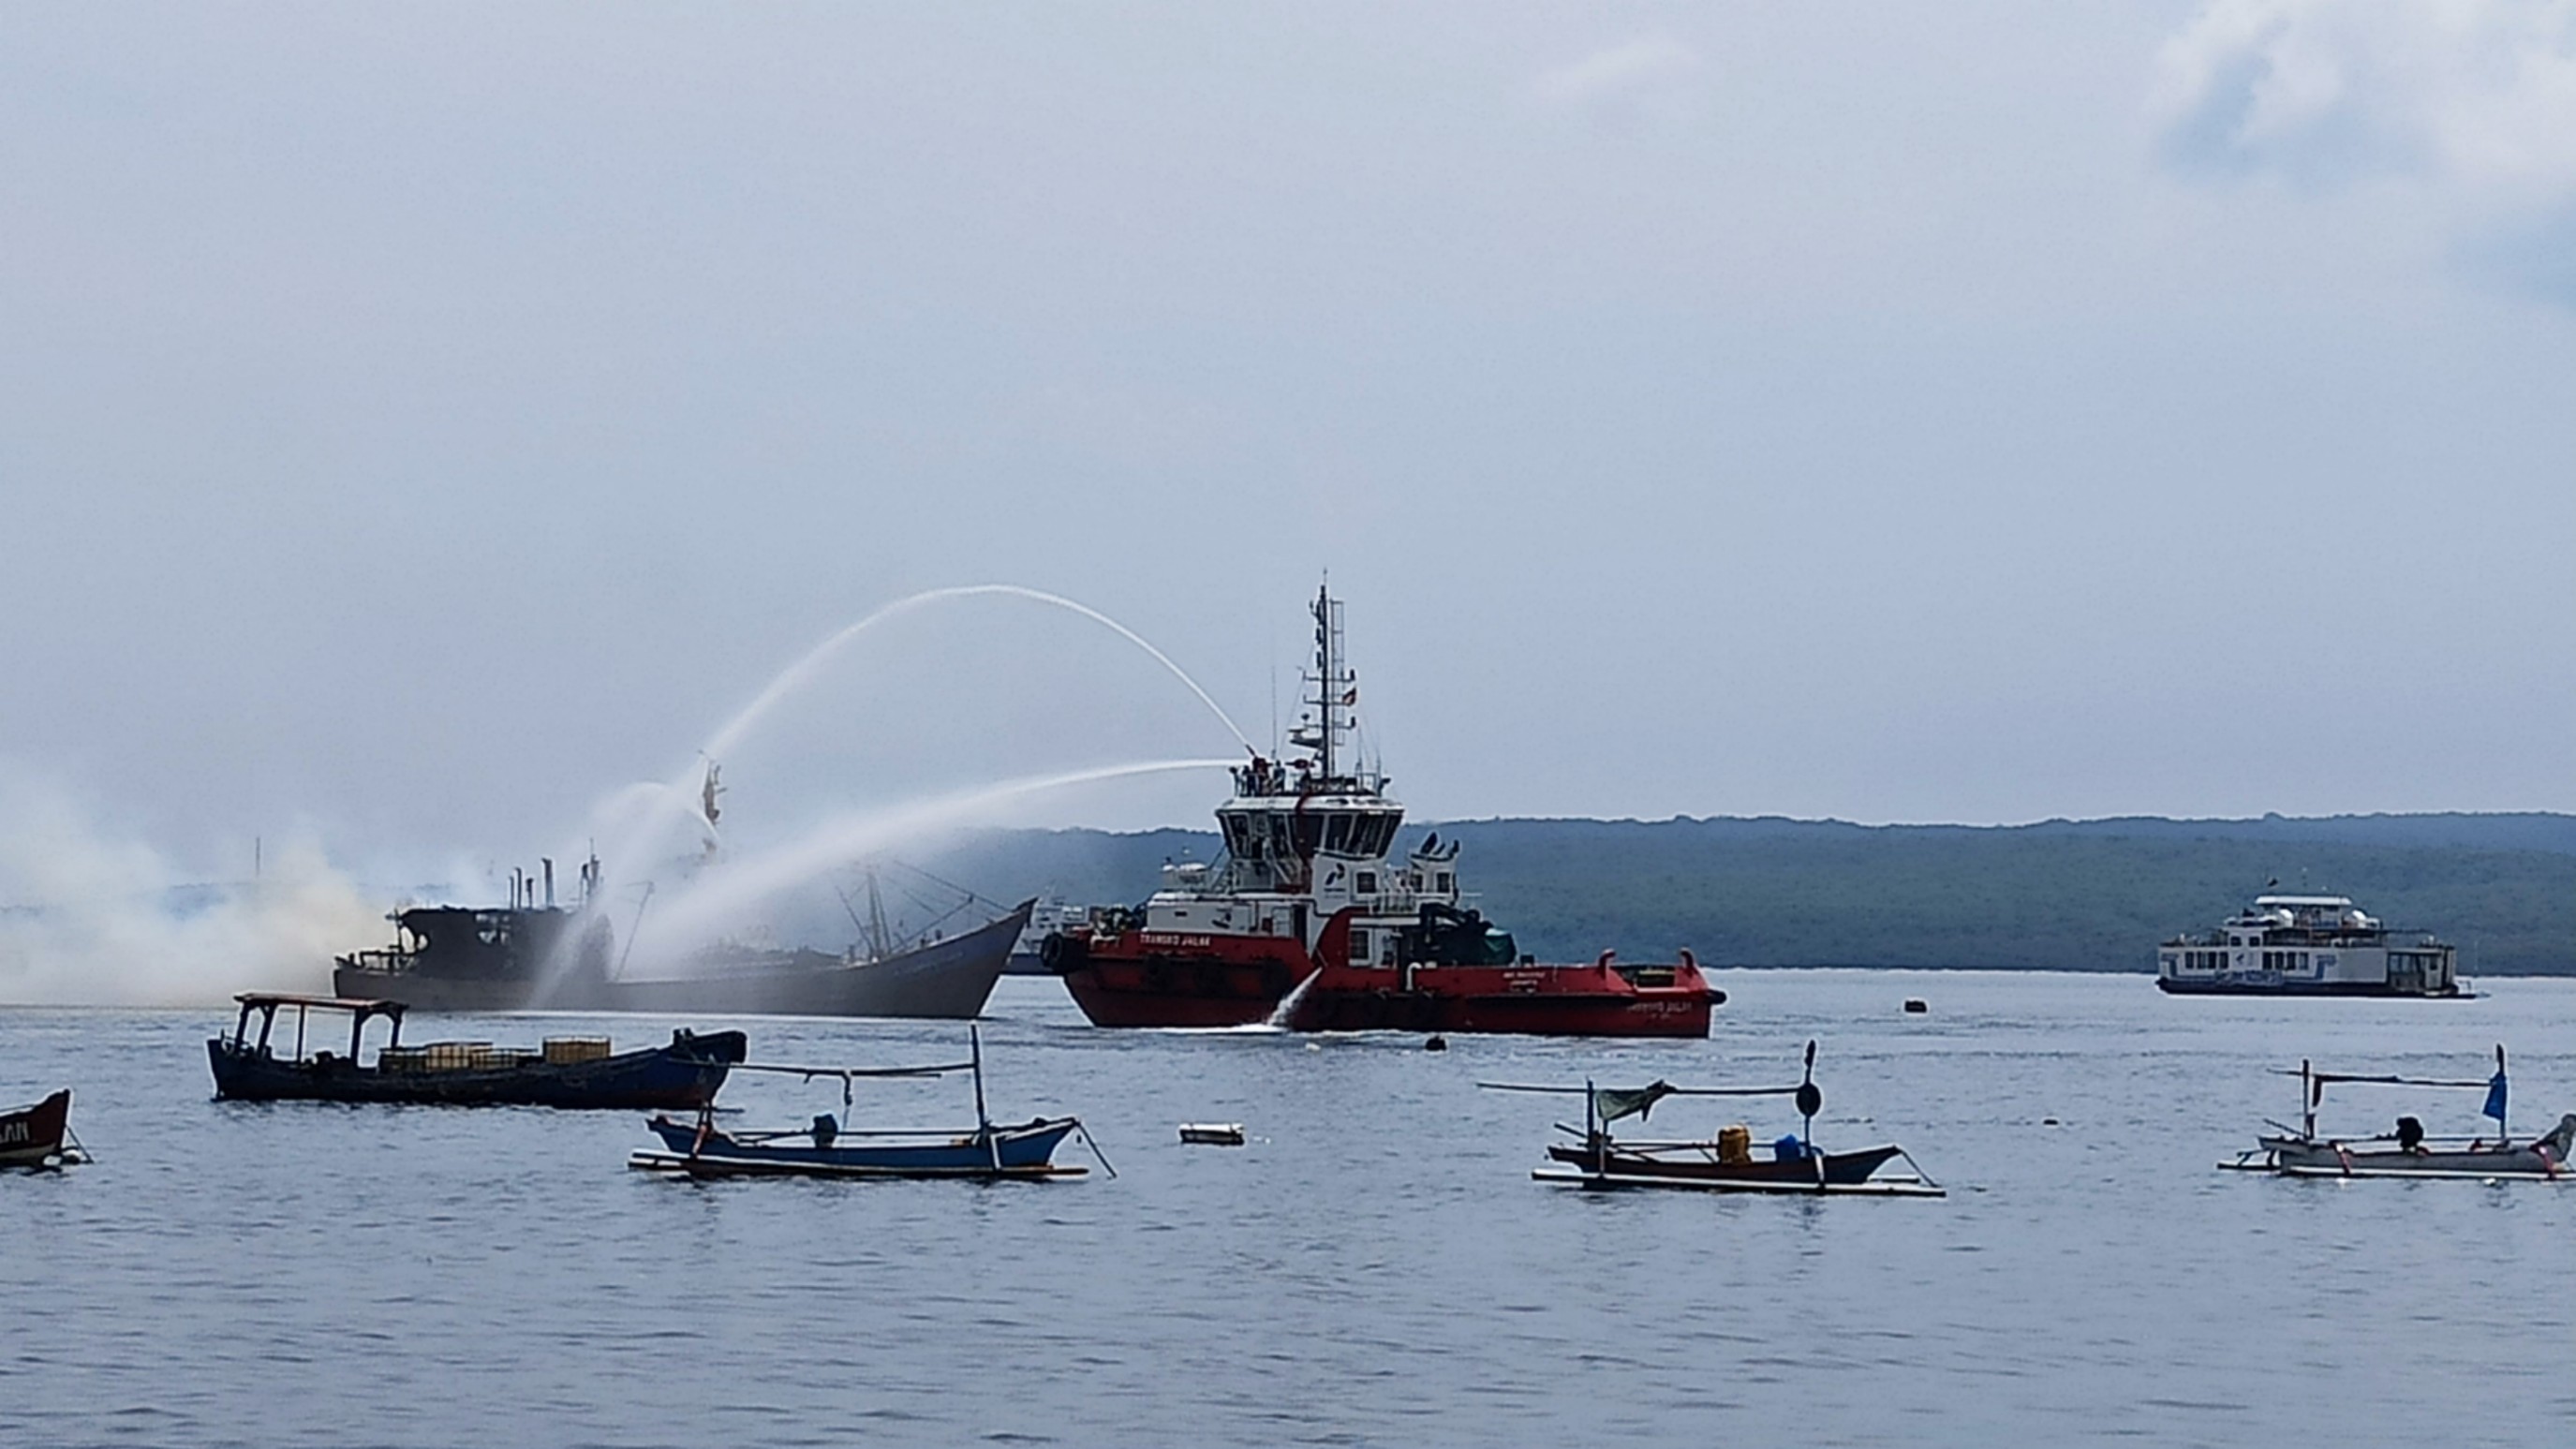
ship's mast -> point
(1328, 651)
(1327, 714)
(1336, 688)
(878, 937)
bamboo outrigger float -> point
(1795, 1164)
(2408, 1151)
(988, 1152)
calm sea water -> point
(1376, 1267)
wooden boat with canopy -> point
(1726, 1163)
(988, 1151)
(255, 1063)
(2407, 1151)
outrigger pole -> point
(847, 1075)
(2312, 1089)
(983, 1123)
(1810, 1099)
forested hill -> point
(2069, 895)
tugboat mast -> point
(1336, 688)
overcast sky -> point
(417, 422)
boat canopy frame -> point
(267, 1004)
(2313, 1083)
(985, 1132)
(1601, 1106)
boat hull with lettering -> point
(32, 1136)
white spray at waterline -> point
(704, 908)
(1283, 1017)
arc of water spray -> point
(619, 864)
(795, 675)
(833, 843)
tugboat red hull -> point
(1538, 1013)
(1600, 999)
(1151, 979)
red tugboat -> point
(1307, 919)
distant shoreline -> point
(2500, 886)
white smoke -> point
(87, 919)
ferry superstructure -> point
(2307, 945)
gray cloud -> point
(2472, 105)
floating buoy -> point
(1312, 1047)
(1436, 1044)
(1213, 1134)
(1916, 1005)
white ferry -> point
(2308, 945)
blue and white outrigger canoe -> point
(2408, 1151)
(988, 1151)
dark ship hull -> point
(949, 979)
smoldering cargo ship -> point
(535, 955)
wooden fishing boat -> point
(825, 1148)
(572, 1072)
(40, 1136)
(2408, 1151)
(1725, 1163)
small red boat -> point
(33, 1136)
(1311, 923)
